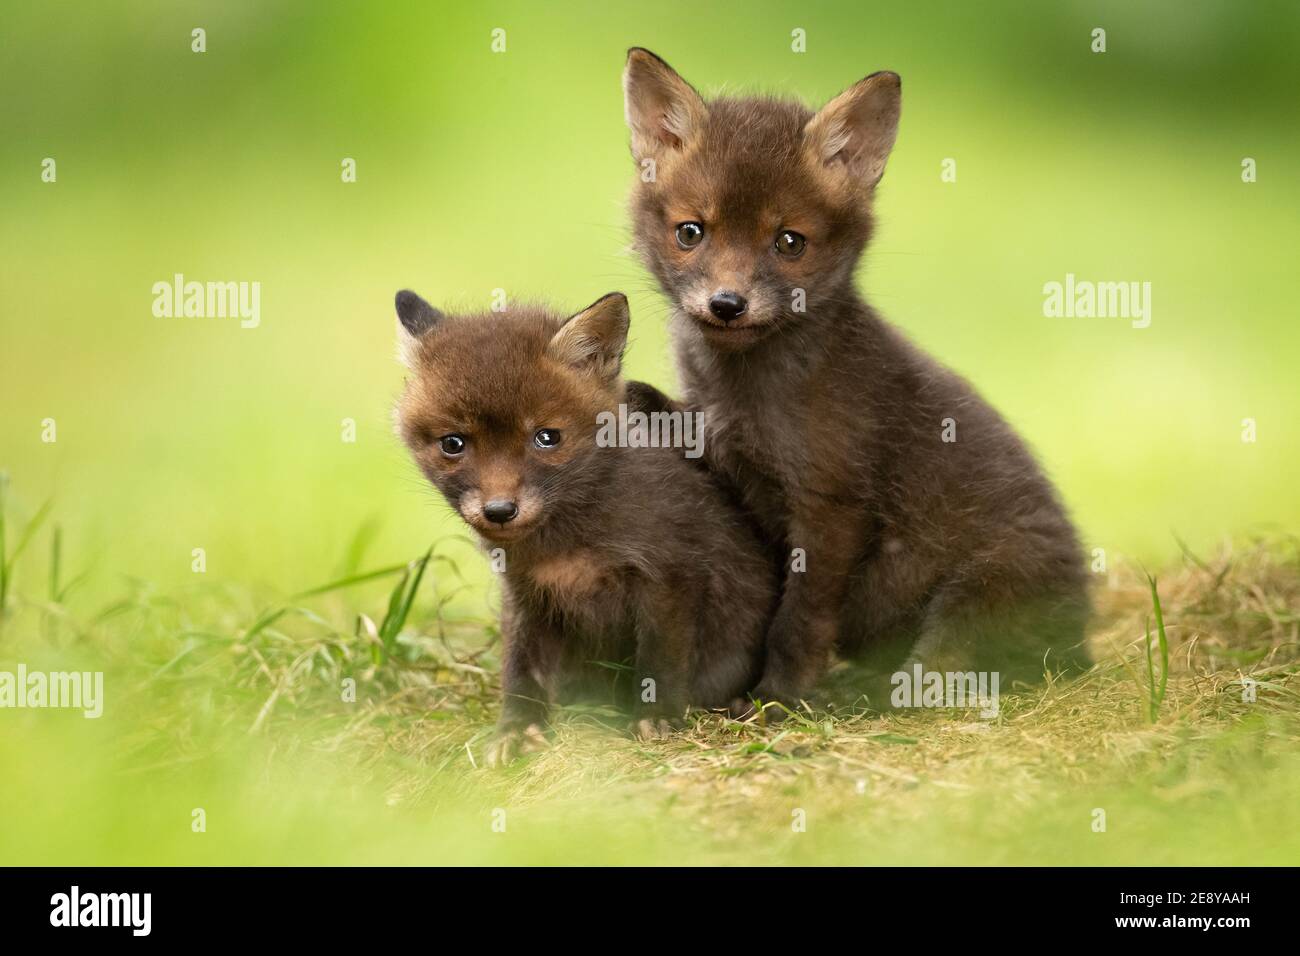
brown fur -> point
(569, 577)
(827, 422)
(616, 553)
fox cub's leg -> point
(1016, 632)
(531, 652)
(665, 647)
(803, 633)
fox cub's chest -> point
(761, 439)
(587, 597)
(571, 578)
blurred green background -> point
(479, 170)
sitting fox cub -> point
(610, 552)
(909, 513)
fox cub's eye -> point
(547, 437)
(689, 235)
(790, 243)
(453, 446)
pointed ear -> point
(663, 111)
(593, 340)
(416, 317)
(855, 131)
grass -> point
(8, 560)
(308, 733)
(1156, 695)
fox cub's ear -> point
(663, 111)
(593, 340)
(417, 317)
(855, 131)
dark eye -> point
(790, 243)
(453, 446)
(547, 437)
(689, 234)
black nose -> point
(727, 305)
(500, 511)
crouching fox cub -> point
(609, 553)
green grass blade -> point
(397, 614)
(1151, 674)
(72, 586)
(8, 562)
(29, 532)
(56, 556)
(386, 629)
(352, 580)
(365, 535)
(1164, 640)
(262, 623)
(1156, 693)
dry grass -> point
(1230, 619)
(922, 785)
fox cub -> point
(910, 515)
(610, 553)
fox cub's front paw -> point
(652, 727)
(514, 741)
(775, 705)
